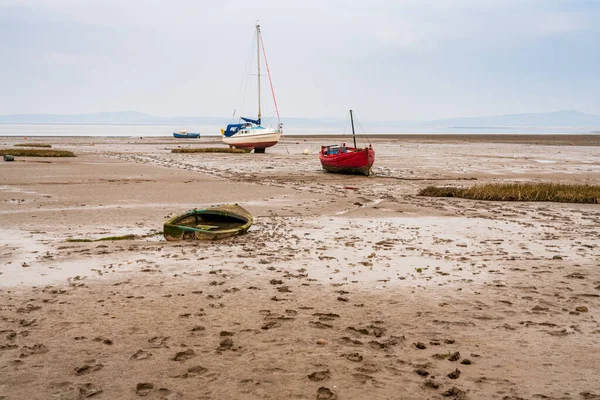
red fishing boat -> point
(347, 160)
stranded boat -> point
(249, 133)
(347, 160)
(209, 223)
(185, 134)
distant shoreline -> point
(213, 129)
(537, 139)
(591, 139)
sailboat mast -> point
(352, 121)
(258, 63)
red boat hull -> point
(350, 161)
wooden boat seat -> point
(207, 227)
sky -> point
(390, 60)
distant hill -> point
(138, 118)
(119, 117)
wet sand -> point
(345, 287)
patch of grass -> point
(109, 238)
(554, 192)
(36, 153)
(210, 150)
(33, 145)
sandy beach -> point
(345, 287)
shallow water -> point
(91, 130)
(28, 259)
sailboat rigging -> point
(249, 133)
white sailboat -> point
(249, 133)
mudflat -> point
(345, 287)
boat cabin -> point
(333, 149)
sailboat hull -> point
(253, 140)
(186, 135)
(350, 161)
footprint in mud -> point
(430, 383)
(454, 374)
(271, 325)
(103, 340)
(326, 316)
(320, 325)
(87, 390)
(92, 366)
(146, 388)
(141, 355)
(159, 341)
(391, 341)
(420, 345)
(362, 331)
(456, 393)
(350, 342)
(192, 372)
(363, 378)
(278, 317)
(589, 396)
(27, 322)
(198, 328)
(377, 331)
(184, 355)
(27, 351)
(225, 344)
(143, 389)
(374, 344)
(28, 308)
(368, 368)
(354, 357)
(324, 393)
(318, 376)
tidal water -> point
(213, 130)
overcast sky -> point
(392, 60)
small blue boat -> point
(183, 134)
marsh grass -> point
(210, 150)
(109, 238)
(554, 192)
(33, 145)
(36, 153)
(112, 238)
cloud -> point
(499, 24)
(187, 56)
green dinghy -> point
(209, 224)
